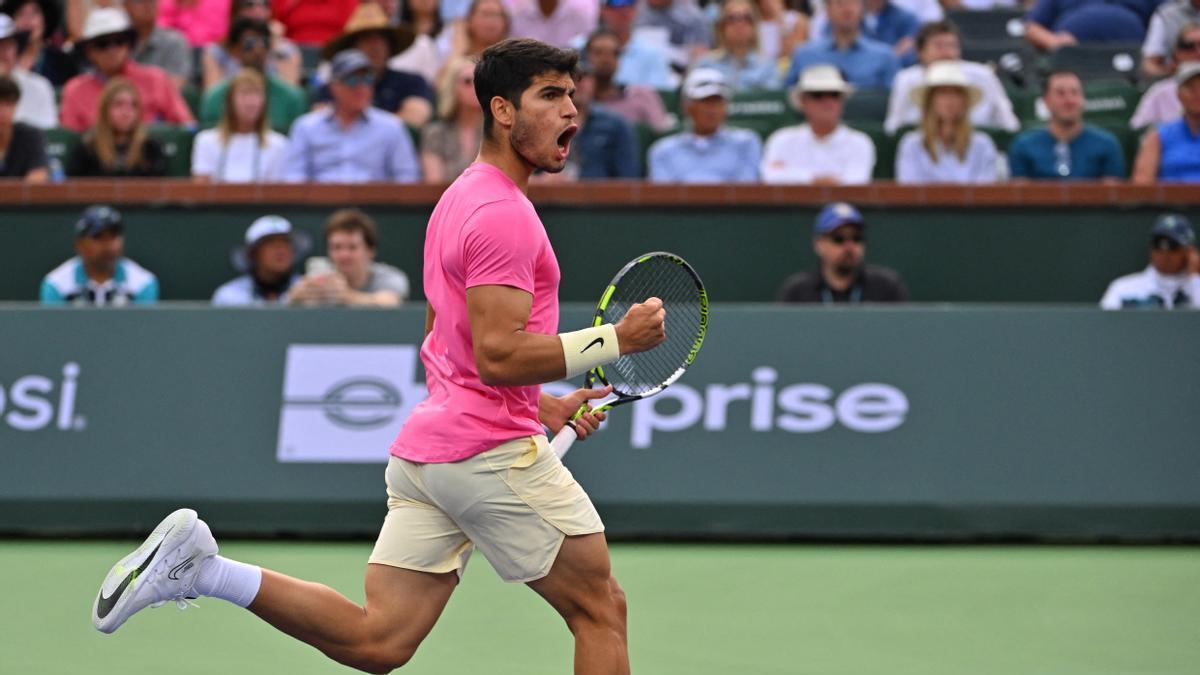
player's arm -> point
(508, 355)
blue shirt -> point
(606, 146)
(728, 156)
(68, 284)
(1180, 160)
(867, 64)
(1094, 153)
(391, 89)
(1095, 20)
(889, 26)
(376, 147)
(645, 64)
(755, 73)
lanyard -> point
(225, 156)
(855, 295)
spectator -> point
(737, 54)
(486, 23)
(22, 148)
(1160, 103)
(40, 19)
(866, 63)
(221, 60)
(158, 45)
(1165, 25)
(883, 21)
(1066, 149)
(118, 146)
(356, 279)
(1051, 24)
(708, 152)
(843, 277)
(202, 22)
(99, 275)
(822, 151)
(687, 33)
(248, 44)
(928, 11)
(107, 39)
(265, 261)
(36, 106)
(243, 148)
(636, 103)
(405, 94)
(605, 146)
(312, 23)
(945, 149)
(557, 22)
(423, 56)
(781, 28)
(450, 143)
(1171, 151)
(1168, 282)
(643, 61)
(350, 142)
(940, 41)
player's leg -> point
(581, 587)
(401, 608)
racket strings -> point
(669, 281)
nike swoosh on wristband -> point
(106, 604)
(599, 341)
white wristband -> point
(585, 349)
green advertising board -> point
(914, 422)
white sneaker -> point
(165, 567)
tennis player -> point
(471, 466)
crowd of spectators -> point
(376, 90)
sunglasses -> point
(252, 43)
(840, 239)
(731, 18)
(103, 43)
(1187, 45)
(822, 95)
(1164, 244)
(358, 79)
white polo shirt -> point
(1150, 290)
(795, 155)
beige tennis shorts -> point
(516, 502)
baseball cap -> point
(834, 216)
(349, 61)
(268, 226)
(702, 83)
(1174, 227)
(1187, 71)
(7, 27)
(98, 219)
(617, 4)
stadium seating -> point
(994, 25)
(177, 146)
(1115, 61)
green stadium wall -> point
(873, 423)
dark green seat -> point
(1106, 61)
(990, 25)
(761, 112)
(177, 146)
(192, 95)
(885, 147)
(867, 106)
(60, 143)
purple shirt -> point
(571, 19)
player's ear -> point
(503, 111)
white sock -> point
(229, 580)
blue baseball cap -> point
(834, 216)
(619, 3)
(97, 220)
(349, 61)
(1174, 227)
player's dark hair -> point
(9, 91)
(354, 220)
(935, 28)
(507, 68)
(1057, 72)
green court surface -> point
(695, 610)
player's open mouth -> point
(564, 140)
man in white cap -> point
(940, 41)
(709, 151)
(267, 259)
(36, 106)
(108, 39)
(822, 151)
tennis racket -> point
(644, 374)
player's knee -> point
(603, 609)
(618, 598)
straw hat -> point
(369, 18)
(819, 79)
(945, 74)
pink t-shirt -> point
(483, 231)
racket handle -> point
(564, 439)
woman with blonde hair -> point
(242, 148)
(737, 54)
(450, 143)
(118, 145)
(945, 148)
